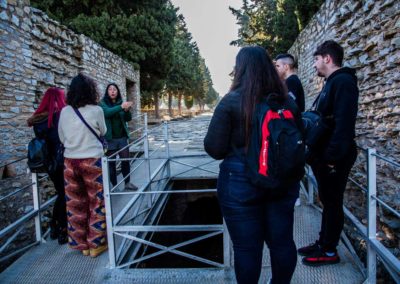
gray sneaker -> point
(130, 186)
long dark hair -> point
(107, 98)
(255, 77)
(82, 91)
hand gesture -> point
(126, 105)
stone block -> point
(369, 46)
(19, 12)
(15, 20)
(7, 115)
(4, 16)
(396, 42)
(15, 109)
(25, 27)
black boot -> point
(54, 231)
(63, 236)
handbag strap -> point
(87, 125)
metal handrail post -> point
(36, 206)
(166, 141)
(310, 187)
(109, 220)
(147, 155)
(227, 247)
(371, 253)
(146, 146)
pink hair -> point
(52, 102)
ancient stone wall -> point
(37, 53)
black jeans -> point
(331, 187)
(59, 210)
(253, 219)
(125, 166)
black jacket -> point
(227, 128)
(295, 87)
(338, 100)
(50, 134)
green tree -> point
(273, 24)
(181, 75)
(142, 32)
(189, 78)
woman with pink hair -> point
(45, 125)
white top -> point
(78, 140)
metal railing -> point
(374, 247)
(16, 228)
(128, 230)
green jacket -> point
(110, 112)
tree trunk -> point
(180, 103)
(170, 104)
(156, 106)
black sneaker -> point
(309, 250)
(321, 258)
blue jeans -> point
(252, 219)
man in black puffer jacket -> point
(337, 152)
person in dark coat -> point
(117, 114)
(251, 216)
(285, 65)
(45, 124)
(336, 153)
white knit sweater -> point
(78, 140)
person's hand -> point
(126, 105)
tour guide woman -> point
(117, 113)
(251, 216)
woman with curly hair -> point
(81, 123)
(45, 122)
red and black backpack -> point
(276, 152)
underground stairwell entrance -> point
(187, 209)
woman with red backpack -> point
(255, 211)
(45, 124)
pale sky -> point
(213, 27)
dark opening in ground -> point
(188, 209)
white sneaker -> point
(130, 186)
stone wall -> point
(36, 53)
(369, 31)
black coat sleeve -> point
(294, 86)
(345, 107)
(217, 141)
